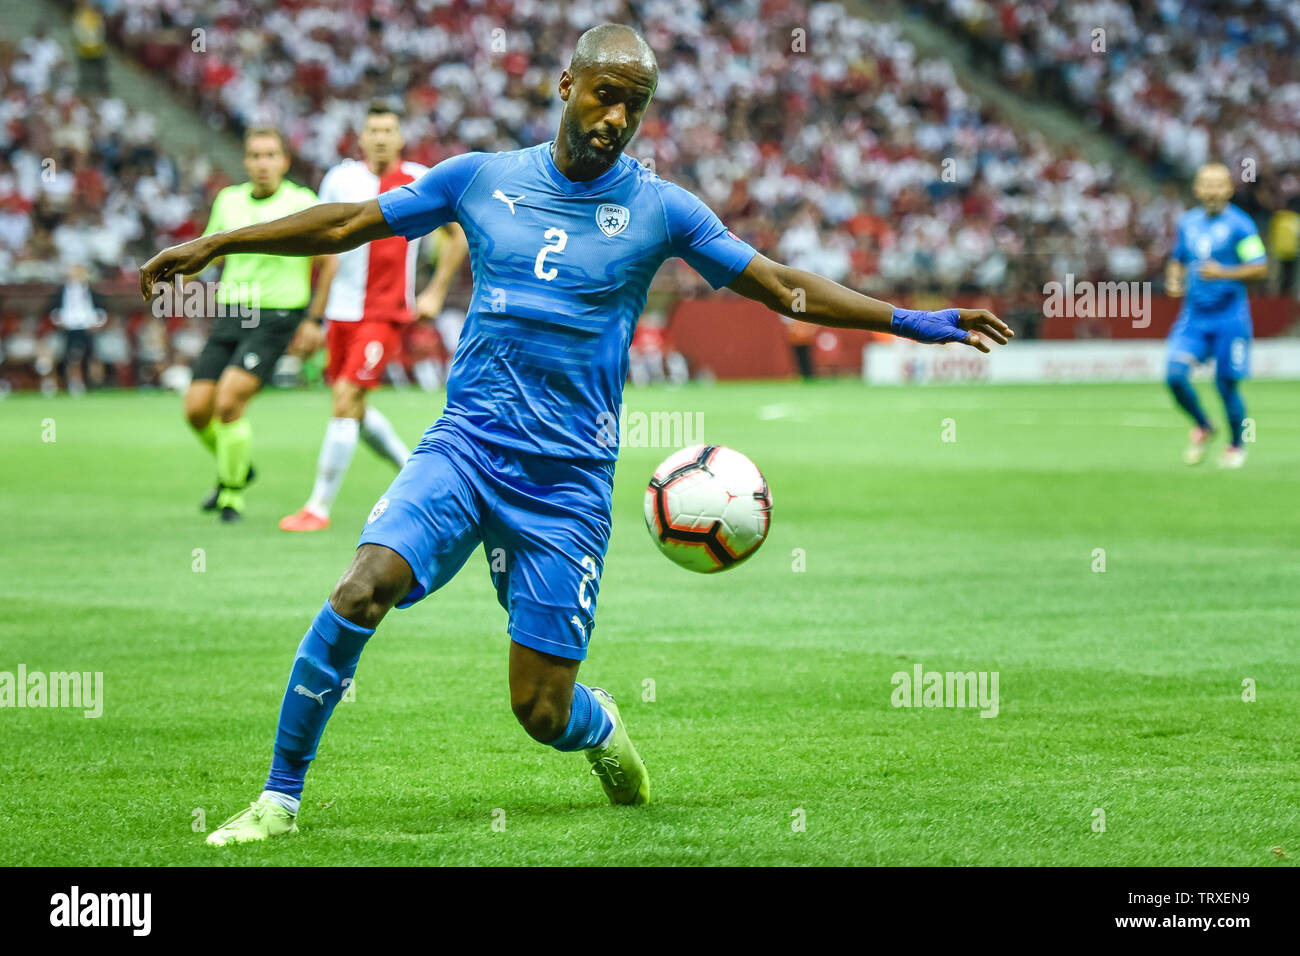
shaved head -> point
(613, 44)
(609, 84)
(1213, 187)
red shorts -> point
(358, 351)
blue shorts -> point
(543, 522)
(1226, 337)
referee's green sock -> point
(208, 435)
(234, 451)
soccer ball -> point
(708, 508)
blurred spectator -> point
(21, 345)
(651, 357)
(88, 34)
(801, 337)
(77, 312)
(113, 350)
(1284, 244)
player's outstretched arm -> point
(813, 298)
(316, 231)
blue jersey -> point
(561, 272)
(1231, 239)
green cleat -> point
(621, 771)
(262, 820)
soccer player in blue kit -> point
(1217, 250)
(564, 240)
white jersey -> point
(77, 310)
(376, 280)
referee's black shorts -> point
(255, 349)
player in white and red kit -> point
(367, 294)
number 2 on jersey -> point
(559, 237)
(589, 563)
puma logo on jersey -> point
(319, 698)
(498, 194)
(250, 361)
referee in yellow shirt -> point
(261, 307)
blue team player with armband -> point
(1218, 249)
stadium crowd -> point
(1180, 82)
(813, 132)
(84, 179)
(86, 184)
(819, 136)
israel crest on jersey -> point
(612, 219)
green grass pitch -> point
(771, 738)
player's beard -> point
(588, 161)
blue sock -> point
(589, 723)
(1180, 384)
(1233, 405)
(327, 659)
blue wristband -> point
(928, 327)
